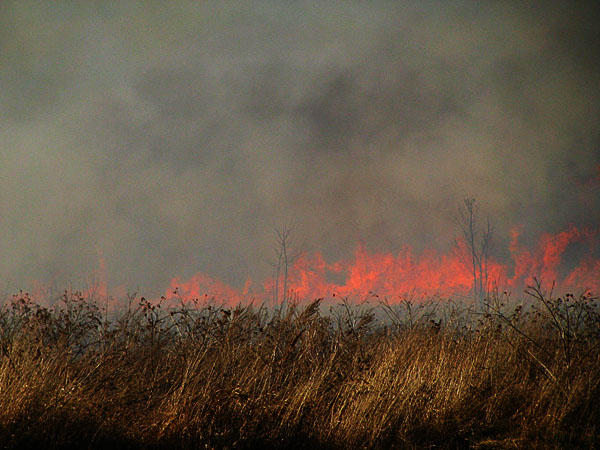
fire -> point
(395, 276)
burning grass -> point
(390, 376)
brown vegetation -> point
(391, 376)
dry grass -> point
(427, 376)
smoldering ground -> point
(170, 137)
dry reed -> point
(392, 376)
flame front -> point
(408, 274)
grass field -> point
(436, 375)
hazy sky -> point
(170, 137)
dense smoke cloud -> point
(169, 138)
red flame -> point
(406, 273)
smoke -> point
(173, 137)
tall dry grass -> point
(392, 376)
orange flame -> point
(396, 276)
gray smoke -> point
(172, 137)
